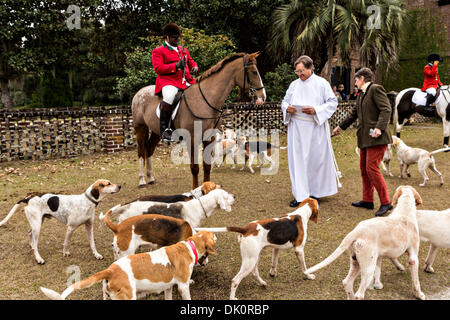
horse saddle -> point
(176, 103)
(419, 98)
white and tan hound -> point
(132, 276)
(382, 237)
(254, 149)
(289, 231)
(407, 156)
(72, 210)
(193, 211)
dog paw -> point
(429, 269)
(422, 185)
(66, 254)
(376, 286)
(409, 175)
(310, 276)
(191, 282)
(420, 295)
(39, 260)
(273, 273)
(98, 256)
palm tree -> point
(341, 26)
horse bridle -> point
(448, 91)
(251, 92)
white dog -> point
(407, 156)
(193, 211)
(72, 210)
(225, 144)
(382, 237)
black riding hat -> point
(171, 29)
(433, 57)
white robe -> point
(310, 153)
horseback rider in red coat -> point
(431, 82)
(173, 66)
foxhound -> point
(285, 232)
(254, 149)
(72, 210)
(407, 156)
(193, 211)
(382, 237)
(155, 271)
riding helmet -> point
(433, 57)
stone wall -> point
(70, 132)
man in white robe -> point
(308, 104)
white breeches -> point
(168, 93)
(431, 91)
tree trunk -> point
(6, 97)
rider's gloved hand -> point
(194, 71)
(181, 64)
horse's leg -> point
(194, 164)
(446, 127)
(141, 140)
(206, 162)
(150, 147)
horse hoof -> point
(151, 182)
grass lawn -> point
(257, 196)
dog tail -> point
(440, 150)
(345, 244)
(224, 229)
(107, 219)
(16, 207)
(357, 151)
(85, 283)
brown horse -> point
(201, 103)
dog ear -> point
(397, 194)
(417, 197)
(211, 244)
(95, 193)
(223, 203)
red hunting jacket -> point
(431, 77)
(164, 60)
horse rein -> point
(251, 91)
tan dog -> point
(382, 237)
(149, 229)
(407, 156)
(72, 210)
(148, 272)
(285, 232)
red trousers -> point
(369, 164)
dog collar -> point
(204, 211)
(194, 250)
(91, 200)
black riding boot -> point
(164, 120)
(430, 100)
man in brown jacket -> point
(373, 111)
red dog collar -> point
(193, 250)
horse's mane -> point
(219, 66)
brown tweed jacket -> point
(373, 110)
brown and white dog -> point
(407, 156)
(72, 210)
(194, 194)
(254, 149)
(155, 271)
(223, 147)
(382, 237)
(193, 211)
(289, 231)
(148, 229)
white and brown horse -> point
(201, 103)
(405, 108)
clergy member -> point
(308, 104)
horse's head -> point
(250, 80)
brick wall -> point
(56, 133)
